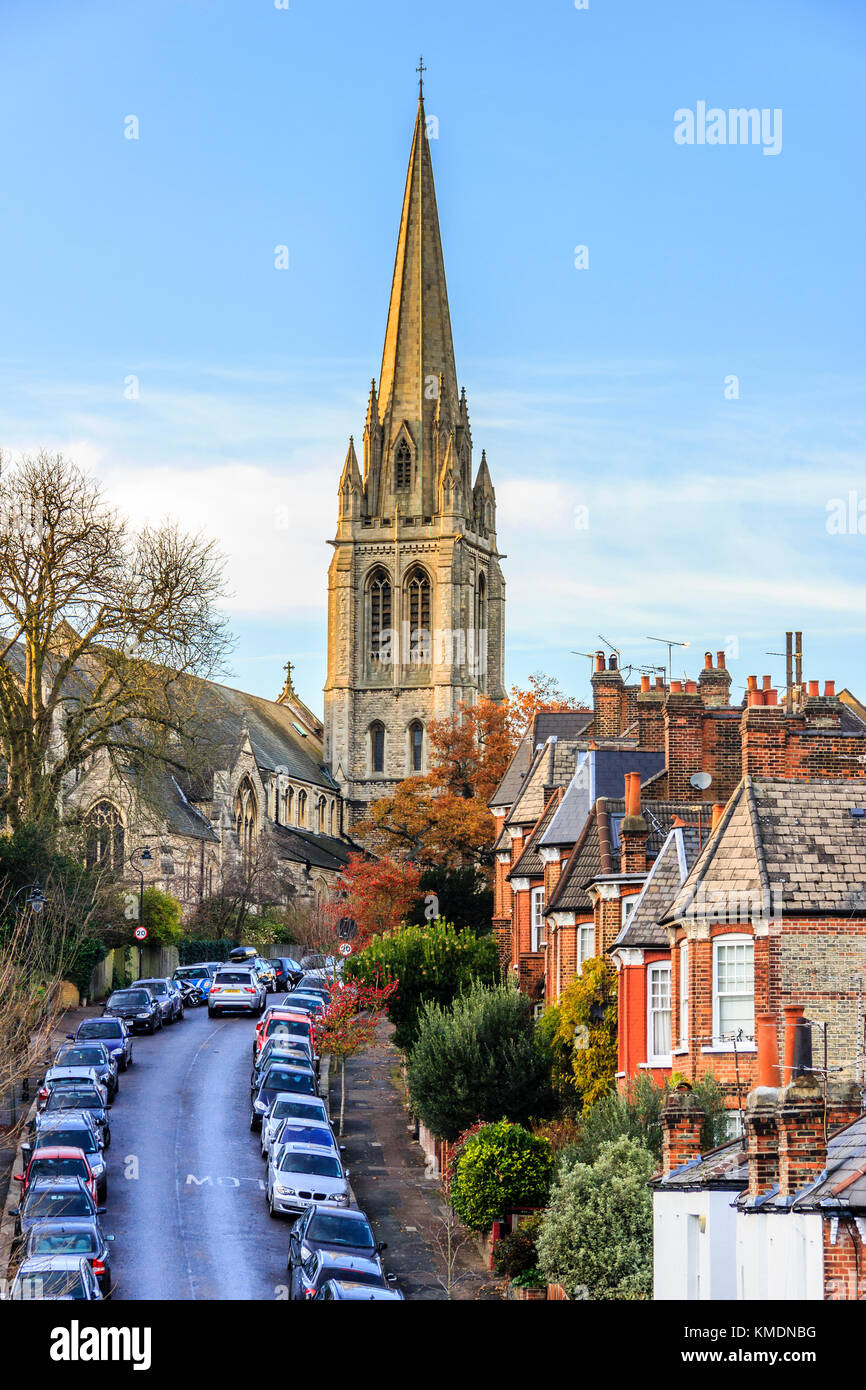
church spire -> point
(418, 344)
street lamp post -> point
(146, 858)
(36, 900)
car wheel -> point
(123, 1064)
(106, 1143)
(272, 1211)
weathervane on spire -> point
(421, 71)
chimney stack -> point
(682, 1120)
(762, 1139)
(802, 1147)
(609, 699)
(718, 812)
(633, 831)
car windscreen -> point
(58, 1204)
(100, 1028)
(290, 1027)
(317, 1165)
(81, 1057)
(49, 1283)
(278, 1079)
(308, 1134)
(233, 977)
(332, 1230)
(61, 1099)
(157, 986)
(297, 1110)
(58, 1168)
(83, 1139)
(333, 1269)
(49, 1242)
(295, 1048)
(130, 999)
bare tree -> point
(101, 630)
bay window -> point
(733, 989)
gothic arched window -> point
(379, 603)
(246, 817)
(321, 815)
(481, 606)
(417, 612)
(402, 467)
(377, 747)
(416, 745)
(104, 848)
(302, 808)
(288, 806)
(331, 818)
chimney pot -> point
(813, 687)
(611, 663)
(771, 697)
(708, 661)
(718, 812)
(632, 794)
(691, 687)
(767, 683)
(660, 683)
(720, 660)
(599, 661)
(751, 682)
(644, 683)
(829, 690)
(756, 697)
(676, 687)
(768, 1051)
(793, 1015)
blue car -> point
(112, 1033)
(201, 975)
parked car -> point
(280, 1077)
(82, 1098)
(167, 997)
(58, 1161)
(302, 1132)
(288, 1106)
(313, 960)
(307, 1277)
(114, 1035)
(287, 971)
(75, 1130)
(305, 1174)
(201, 975)
(349, 1290)
(265, 972)
(327, 1228)
(236, 988)
(306, 1003)
(80, 1236)
(56, 1277)
(282, 1046)
(283, 1024)
(95, 1055)
(314, 982)
(54, 1198)
(70, 1077)
(137, 1008)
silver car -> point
(294, 1132)
(288, 1106)
(306, 1175)
(69, 1078)
(236, 988)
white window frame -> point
(725, 940)
(684, 993)
(536, 900)
(585, 932)
(657, 968)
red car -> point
(58, 1162)
(283, 1021)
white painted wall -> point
(694, 1245)
(779, 1255)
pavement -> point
(393, 1184)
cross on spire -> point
(421, 71)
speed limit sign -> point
(141, 933)
(345, 948)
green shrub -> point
(517, 1252)
(478, 1059)
(636, 1114)
(161, 914)
(499, 1167)
(432, 965)
(596, 1233)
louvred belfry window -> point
(380, 617)
(418, 613)
(402, 467)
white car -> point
(237, 989)
(288, 1106)
(306, 1175)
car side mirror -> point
(18, 1177)
(392, 1278)
(14, 1211)
(71, 1036)
(109, 1237)
(383, 1245)
(100, 1211)
(25, 1148)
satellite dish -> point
(700, 780)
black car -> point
(85, 1098)
(296, 1050)
(74, 1131)
(113, 1033)
(288, 971)
(166, 995)
(94, 1055)
(297, 1077)
(137, 1008)
(55, 1199)
(75, 1235)
(323, 1228)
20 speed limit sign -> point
(141, 933)
(345, 948)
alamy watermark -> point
(739, 125)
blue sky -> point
(601, 388)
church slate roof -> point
(273, 731)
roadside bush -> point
(517, 1253)
(636, 1114)
(162, 916)
(597, 1229)
(500, 1166)
(432, 964)
(478, 1059)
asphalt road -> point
(185, 1176)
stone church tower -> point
(416, 597)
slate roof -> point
(273, 731)
(564, 724)
(797, 840)
(843, 1184)
(676, 857)
(599, 772)
(507, 791)
(304, 846)
(724, 1167)
(530, 863)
